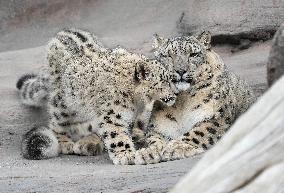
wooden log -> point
(250, 157)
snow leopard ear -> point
(157, 41)
(141, 72)
(205, 39)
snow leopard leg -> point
(196, 140)
(77, 136)
(153, 152)
(89, 145)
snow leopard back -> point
(33, 88)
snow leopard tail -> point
(33, 89)
(40, 143)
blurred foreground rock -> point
(249, 159)
(275, 66)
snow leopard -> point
(210, 99)
(95, 96)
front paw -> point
(149, 155)
(88, 148)
(123, 158)
(176, 149)
(67, 147)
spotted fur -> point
(97, 90)
(210, 98)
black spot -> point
(185, 139)
(186, 134)
(105, 135)
(101, 125)
(118, 116)
(106, 118)
(195, 141)
(56, 116)
(69, 42)
(116, 102)
(204, 86)
(112, 145)
(197, 106)
(204, 146)
(125, 94)
(206, 100)
(200, 133)
(109, 121)
(228, 120)
(89, 45)
(64, 114)
(127, 146)
(118, 125)
(210, 140)
(63, 105)
(64, 124)
(171, 117)
(221, 111)
(23, 79)
(152, 142)
(79, 35)
(113, 134)
(209, 77)
(140, 124)
(90, 128)
(210, 95)
(120, 144)
(110, 112)
(216, 124)
(54, 102)
(211, 130)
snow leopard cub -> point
(94, 90)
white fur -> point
(183, 86)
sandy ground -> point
(89, 174)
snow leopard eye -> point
(163, 56)
(194, 54)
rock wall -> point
(30, 23)
(242, 19)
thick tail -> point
(33, 89)
(40, 143)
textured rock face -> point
(30, 23)
(275, 66)
(253, 19)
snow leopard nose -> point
(181, 72)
